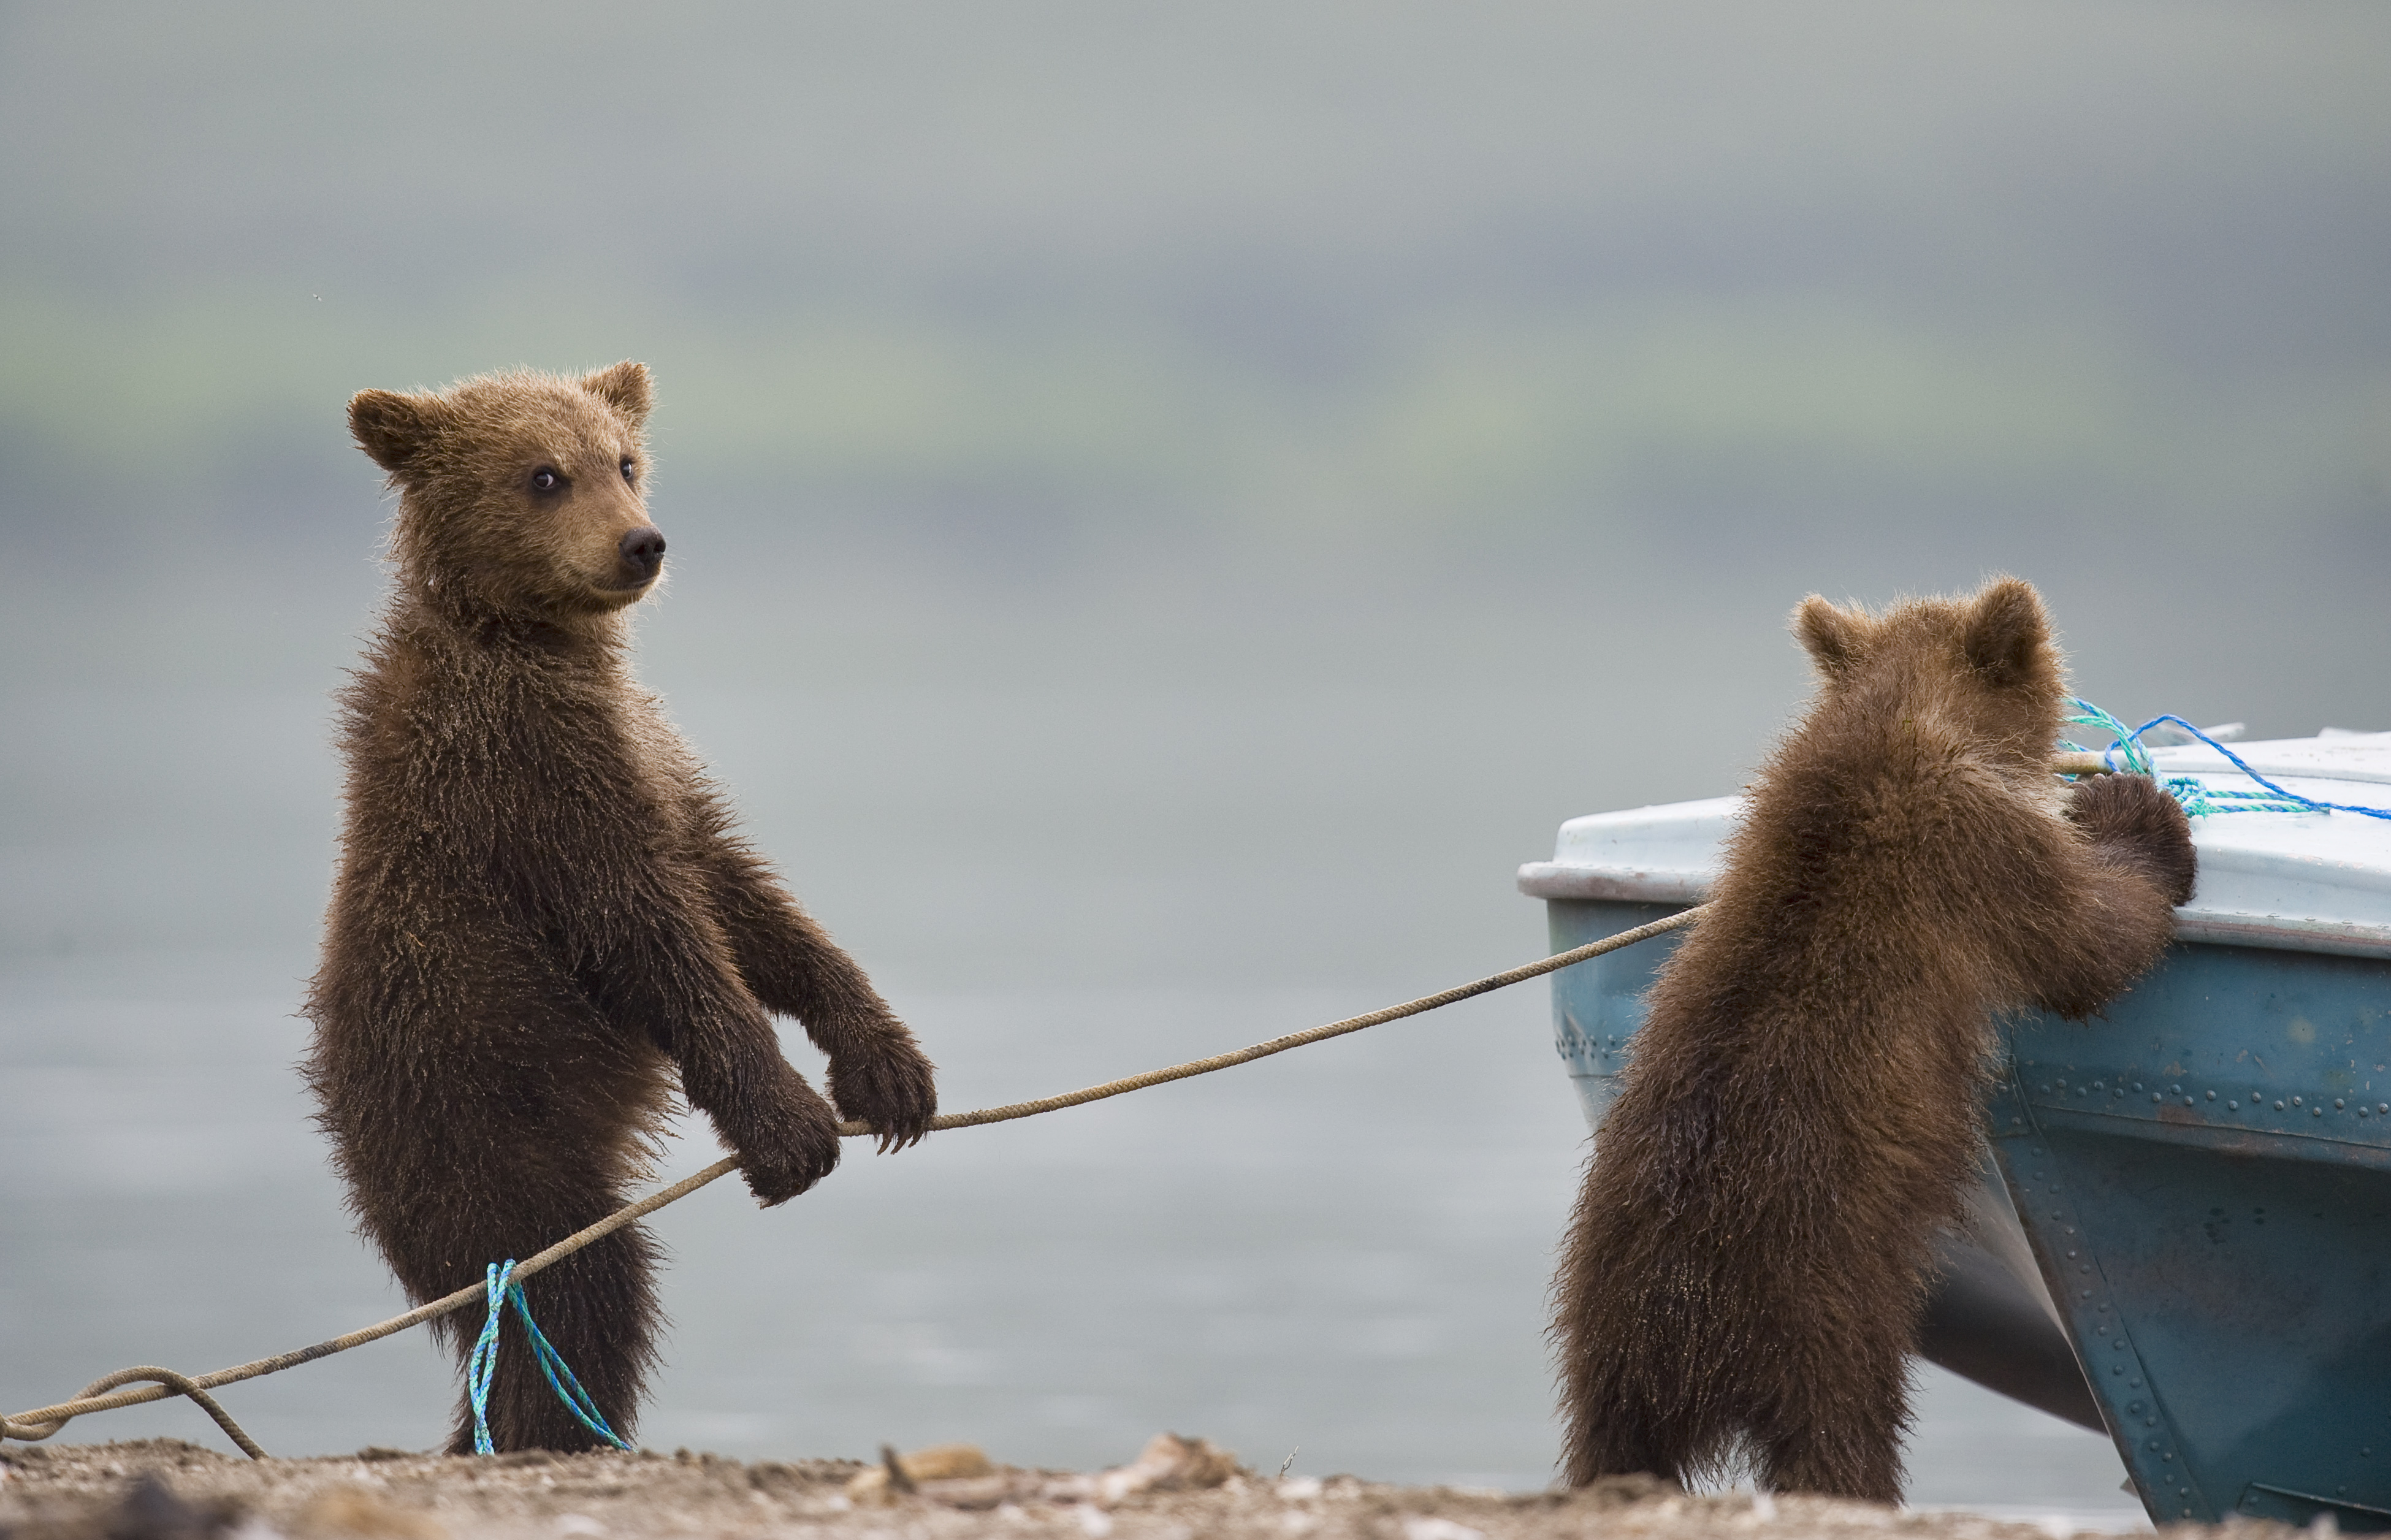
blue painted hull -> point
(2205, 1177)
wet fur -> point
(543, 922)
(1748, 1262)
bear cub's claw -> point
(785, 1155)
(2136, 812)
(893, 1088)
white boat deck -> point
(2309, 882)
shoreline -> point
(171, 1490)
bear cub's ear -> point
(393, 427)
(1833, 637)
(2007, 631)
(626, 387)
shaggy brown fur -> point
(1746, 1265)
(542, 912)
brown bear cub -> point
(542, 914)
(1748, 1262)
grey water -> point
(1338, 1255)
(1339, 1258)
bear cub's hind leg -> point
(1840, 1432)
(598, 1309)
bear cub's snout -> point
(641, 552)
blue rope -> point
(483, 1365)
(2198, 800)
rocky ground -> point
(162, 1489)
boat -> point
(2182, 1236)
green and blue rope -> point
(2198, 800)
(483, 1366)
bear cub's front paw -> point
(2136, 812)
(789, 1149)
(891, 1086)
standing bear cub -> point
(542, 914)
(1747, 1266)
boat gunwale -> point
(1567, 882)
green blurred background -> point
(1166, 504)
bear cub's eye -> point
(545, 479)
(630, 469)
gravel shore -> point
(163, 1489)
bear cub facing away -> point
(1748, 1262)
(543, 920)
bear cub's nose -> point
(643, 550)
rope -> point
(35, 1428)
(42, 1421)
(483, 1366)
(2198, 800)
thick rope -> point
(175, 1384)
(42, 1421)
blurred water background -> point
(1168, 506)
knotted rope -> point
(34, 1427)
(2198, 800)
(501, 1284)
(483, 1366)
